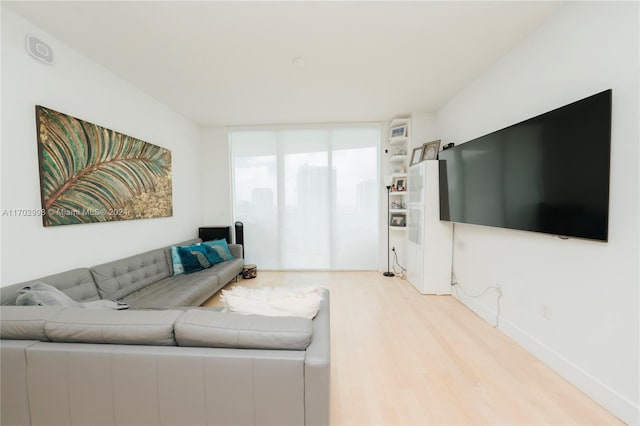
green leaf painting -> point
(92, 174)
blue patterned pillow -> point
(176, 261)
(221, 247)
(213, 255)
(193, 258)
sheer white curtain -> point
(308, 197)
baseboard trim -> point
(617, 404)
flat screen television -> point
(547, 174)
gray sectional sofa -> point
(164, 360)
(144, 280)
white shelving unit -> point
(399, 142)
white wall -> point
(81, 88)
(591, 288)
(216, 174)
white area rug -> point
(274, 301)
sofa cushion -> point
(26, 322)
(181, 290)
(145, 327)
(119, 278)
(43, 294)
(199, 327)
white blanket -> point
(274, 301)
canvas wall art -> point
(92, 174)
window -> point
(308, 197)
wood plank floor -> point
(400, 358)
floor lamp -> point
(388, 185)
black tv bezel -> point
(444, 189)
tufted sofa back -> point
(122, 277)
(77, 284)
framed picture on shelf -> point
(398, 219)
(400, 131)
(416, 155)
(430, 150)
(400, 184)
(398, 204)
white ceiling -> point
(230, 63)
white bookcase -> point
(398, 163)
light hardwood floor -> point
(401, 358)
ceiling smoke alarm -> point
(39, 50)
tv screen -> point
(547, 174)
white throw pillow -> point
(274, 302)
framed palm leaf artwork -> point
(92, 174)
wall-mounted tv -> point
(547, 174)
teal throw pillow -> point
(194, 258)
(176, 262)
(221, 247)
(212, 255)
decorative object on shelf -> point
(398, 158)
(398, 219)
(449, 145)
(388, 185)
(92, 174)
(400, 131)
(398, 205)
(416, 155)
(430, 150)
(400, 184)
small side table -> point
(249, 271)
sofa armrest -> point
(317, 368)
(236, 250)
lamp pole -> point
(388, 273)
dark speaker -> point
(240, 235)
(215, 233)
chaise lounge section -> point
(68, 366)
